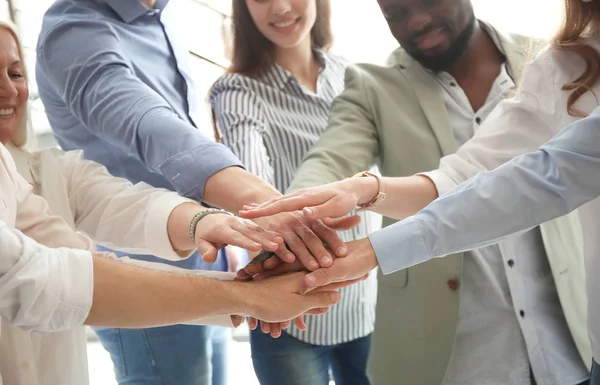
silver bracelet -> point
(202, 214)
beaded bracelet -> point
(202, 214)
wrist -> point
(366, 188)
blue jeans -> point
(595, 375)
(170, 355)
(289, 361)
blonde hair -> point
(581, 20)
(21, 134)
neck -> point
(301, 62)
(481, 52)
(148, 3)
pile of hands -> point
(301, 261)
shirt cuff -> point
(400, 246)
(189, 170)
(155, 230)
(76, 288)
(443, 183)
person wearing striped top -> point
(270, 108)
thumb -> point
(207, 250)
(321, 300)
(343, 223)
(327, 209)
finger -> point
(331, 207)
(276, 330)
(207, 250)
(331, 238)
(272, 263)
(252, 323)
(265, 327)
(285, 324)
(230, 236)
(343, 223)
(268, 240)
(297, 245)
(321, 300)
(282, 269)
(299, 323)
(284, 204)
(242, 275)
(317, 311)
(236, 320)
(322, 277)
(315, 250)
(283, 252)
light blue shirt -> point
(519, 195)
(114, 83)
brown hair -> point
(581, 19)
(253, 54)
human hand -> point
(357, 264)
(333, 200)
(216, 230)
(274, 328)
(282, 298)
(304, 239)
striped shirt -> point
(270, 123)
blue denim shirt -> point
(114, 83)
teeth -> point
(6, 111)
(283, 25)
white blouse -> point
(50, 290)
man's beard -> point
(445, 60)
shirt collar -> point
(129, 10)
(279, 77)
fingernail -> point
(308, 211)
(310, 280)
(341, 250)
(326, 260)
(335, 296)
(313, 265)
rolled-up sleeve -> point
(43, 289)
(115, 213)
(85, 63)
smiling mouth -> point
(7, 111)
(285, 24)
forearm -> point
(132, 297)
(234, 187)
(406, 196)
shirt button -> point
(478, 120)
(453, 284)
(511, 263)
(522, 314)
(25, 365)
(452, 84)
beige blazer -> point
(395, 116)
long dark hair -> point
(581, 19)
(253, 54)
